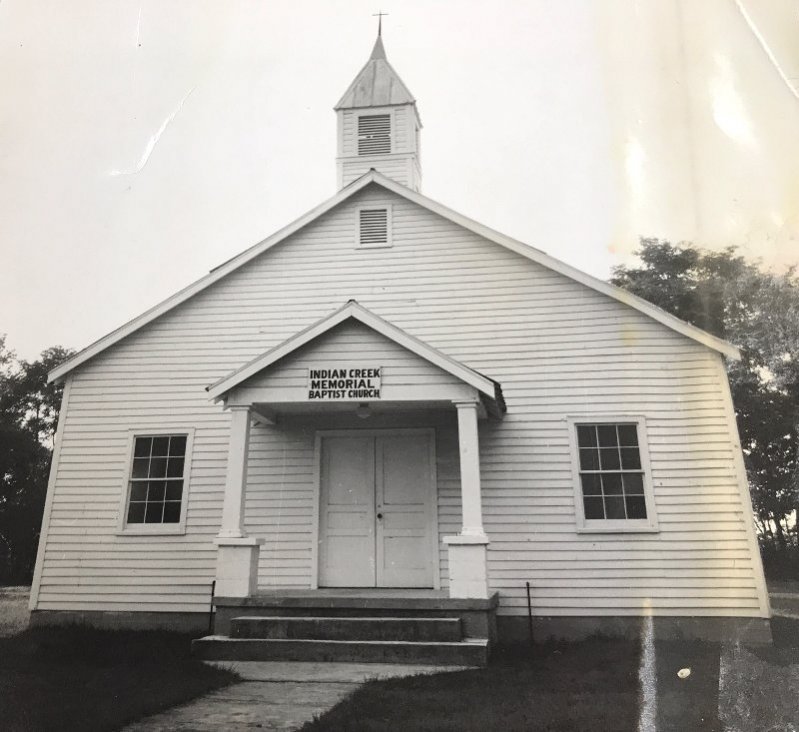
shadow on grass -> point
(551, 687)
(78, 678)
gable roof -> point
(376, 85)
(373, 177)
(352, 310)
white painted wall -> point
(557, 347)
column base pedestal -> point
(468, 566)
(237, 566)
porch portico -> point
(355, 353)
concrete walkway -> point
(275, 696)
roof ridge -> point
(370, 177)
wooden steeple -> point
(378, 125)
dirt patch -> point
(14, 613)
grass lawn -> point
(591, 685)
(76, 678)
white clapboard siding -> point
(558, 348)
(397, 166)
(401, 164)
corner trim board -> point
(743, 490)
(48, 504)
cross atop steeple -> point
(379, 17)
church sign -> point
(337, 384)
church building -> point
(388, 432)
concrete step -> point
(366, 628)
(477, 616)
(470, 652)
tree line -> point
(721, 292)
(757, 310)
(29, 409)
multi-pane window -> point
(374, 134)
(156, 479)
(611, 475)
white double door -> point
(376, 509)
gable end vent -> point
(374, 134)
(373, 227)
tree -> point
(757, 310)
(28, 417)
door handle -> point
(380, 515)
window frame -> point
(612, 526)
(145, 529)
(389, 228)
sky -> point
(144, 143)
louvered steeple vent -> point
(378, 125)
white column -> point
(469, 443)
(237, 553)
(236, 480)
(467, 552)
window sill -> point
(153, 530)
(618, 529)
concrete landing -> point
(274, 696)
(347, 673)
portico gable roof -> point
(353, 311)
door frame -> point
(317, 485)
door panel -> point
(404, 485)
(347, 512)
